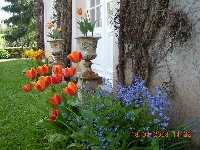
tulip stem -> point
(65, 125)
(71, 111)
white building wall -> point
(48, 13)
(103, 64)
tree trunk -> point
(64, 19)
(39, 17)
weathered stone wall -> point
(179, 71)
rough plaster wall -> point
(128, 73)
(180, 70)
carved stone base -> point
(88, 79)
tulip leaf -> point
(82, 27)
(91, 26)
(76, 145)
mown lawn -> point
(17, 116)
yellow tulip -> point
(58, 29)
(85, 16)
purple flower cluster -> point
(159, 106)
(132, 94)
(192, 124)
(139, 95)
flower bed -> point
(15, 52)
(132, 119)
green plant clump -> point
(4, 54)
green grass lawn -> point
(17, 115)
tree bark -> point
(39, 17)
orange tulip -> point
(75, 56)
(33, 83)
(40, 86)
(71, 89)
(32, 73)
(42, 54)
(57, 69)
(42, 78)
(57, 78)
(50, 25)
(68, 72)
(24, 56)
(54, 115)
(46, 79)
(55, 100)
(79, 11)
(26, 88)
(43, 70)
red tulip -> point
(57, 78)
(43, 70)
(54, 115)
(71, 89)
(79, 11)
(75, 56)
(32, 73)
(42, 54)
(26, 88)
(55, 100)
(68, 72)
(40, 86)
(37, 57)
(57, 69)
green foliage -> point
(104, 123)
(4, 54)
(2, 41)
(55, 34)
(2, 29)
(21, 25)
(85, 26)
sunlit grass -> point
(18, 116)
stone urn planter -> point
(56, 49)
(87, 46)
